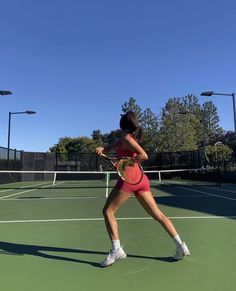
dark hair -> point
(129, 122)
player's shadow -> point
(44, 252)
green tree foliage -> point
(79, 144)
(193, 111)
(97, 136)
(183, 125)
(110, 138)
(176, 131)
(132, 106)
(229, 138)
(218, 153)
(226, 137)
(61, 146)
(195, 128)
(190, 104)
(148, 121)
(149, 124)
(210, 121)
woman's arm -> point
(100, 150)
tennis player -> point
(128, 146)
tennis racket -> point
(127, 168)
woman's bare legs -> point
(149, 204)
(115, 200)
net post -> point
(54, 178)
(159, 176)
(107, 174)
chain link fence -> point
(74, 161)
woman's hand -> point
(99, 151)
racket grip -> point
(105, 157)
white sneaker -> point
(113, 256)
(182, 252)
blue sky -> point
(76, 62)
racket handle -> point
(105, 157)
(109, 159)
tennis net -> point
(187, 177)
(104, 180)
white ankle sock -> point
(115, 244)
(177, 240)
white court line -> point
(7, 190)
(30, 190)
(12, 189)
(24, 187)
(102, 219)
(207, 193)
(95, 197)
(222, 190)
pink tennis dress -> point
(137, 189)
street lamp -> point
(3, 92)
(211, 93)
(9, 129)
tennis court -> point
(54, 237)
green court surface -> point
(55, 238)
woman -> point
(128, 146)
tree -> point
(210, 121)
(132, 106)
(61, 146)
(204, 119)
(176, 131)
(183, 125)
(226, 137)
(190, 104)
(110, 138)
(97, 136)
(149, 124)
(198, 124)
(79, 144)
(194, 112)
(218, 153)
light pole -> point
(9, 129)
(4, 92)
(211, 93)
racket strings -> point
(129, 170)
